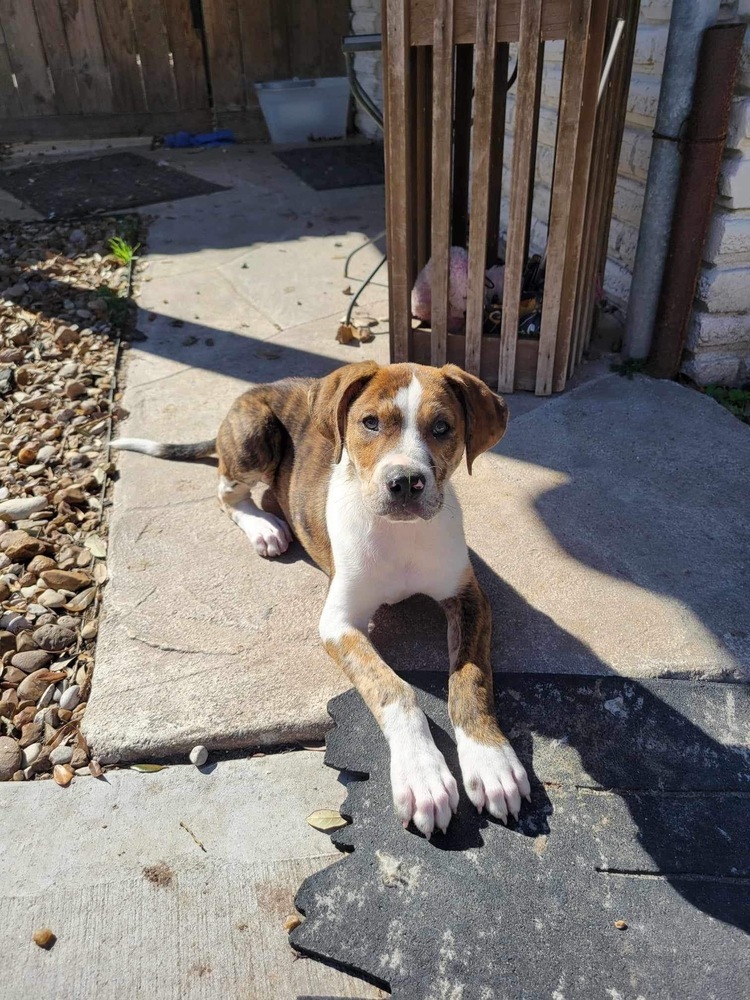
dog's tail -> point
(174, 452)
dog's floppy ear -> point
(485, 413)
(329, 400)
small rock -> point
(4, 591)
(27, 455)
(63, 774)
(10, 758)
(69, 699)
(19, 624)
(90, 629)
(45, 938)
(40, 564)
(33, 686)
(74, 390)
(67, 621)
(19, 776)
(46, 453)
(31, 660)
(198, 756)
(30, 754)
(54, 637)
(51, 599)
(13, 675)
(61, 755)
(18, 508)
(60, 579)
(19, 545)
(7, 642)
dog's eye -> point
(371, 423)
(440, 428)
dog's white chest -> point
(383, 562)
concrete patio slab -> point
(111, 867)
(611, 529)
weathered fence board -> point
(66, 65)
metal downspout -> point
(689, 20)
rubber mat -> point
(64, 188)
(627, 876)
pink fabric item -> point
(458, 279)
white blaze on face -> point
(411, 450)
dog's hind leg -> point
(270, 535)
(249, 445)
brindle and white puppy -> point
(359, 463)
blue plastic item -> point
(182, 140)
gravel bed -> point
(61, 313)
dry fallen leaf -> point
(96, 546)
(81, 601)
(63, 774)
(100, 573)
(345, 333)
(621, 925)
(147, 767)
(44, 937)
(326, 819)
(292, 921)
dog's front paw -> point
(494, 778)
(424, 790)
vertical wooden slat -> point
(27, 57)
(497, 150)
(262, 42)
(153, 49)
(333, 25)
(604, 173)
(422, 155)
(481, 146)
(577, 209)
(222, 32)
(442, 137)
(304, 50)
(87, 55)
(187, 52)
(398, 138)
(10, 104)
(55, 44)
(562, 183)
(120, 49)
(527, 99)
(462, 142)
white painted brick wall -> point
(719, 341)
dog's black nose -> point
(404, 484)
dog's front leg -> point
(424, 790)
(493, 776)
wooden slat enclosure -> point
(468, 46)
(97, 68)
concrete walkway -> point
(611, 528)
(112, 867)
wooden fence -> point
(447, 71)
(93, 68)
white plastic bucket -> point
(300, 110)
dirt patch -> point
(160, 875)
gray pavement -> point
(139, 909)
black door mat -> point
(640, 812)
(63, 188)
(328, 167)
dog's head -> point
(405, 428)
